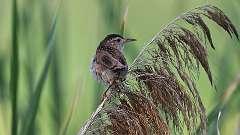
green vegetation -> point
(46, 47)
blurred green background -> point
(70, 94)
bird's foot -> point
(112, 89)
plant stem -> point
(228, 93)
(84, 129)
(158, 34)
(230, 89)
(14, 68)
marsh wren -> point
(109, 64)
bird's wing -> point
(109, 61)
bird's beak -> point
(129, 40)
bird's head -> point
(116, 41)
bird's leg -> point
(106, 91)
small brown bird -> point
(109, 64)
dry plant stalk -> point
(159, 95)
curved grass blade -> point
(124, 20)
(72, 109)
(32, 111)
(35, 100)
(213, 116)
(218, 119)
(14, 68)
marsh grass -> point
(159, 95)
(72, 109)
(37, 97)
(14, 68)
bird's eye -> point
(118, 40)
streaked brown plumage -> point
(109, 64)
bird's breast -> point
(94, 69)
